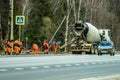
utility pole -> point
(11, 34)
(57, 29)
(74, 8)
(67, 18)
(80, 1)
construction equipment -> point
(86, 38)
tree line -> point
(43, 17)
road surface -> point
(58, 67)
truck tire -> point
(73, 52)
(112, 54)
(76, 52)
(99, 54)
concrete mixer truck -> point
(85, 40)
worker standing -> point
(16, 47)
(20, 43)
(35, 48)
(46, 47)
(55, 47)
(8, 48)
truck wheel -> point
(73, 52)
(112, 54)
(76, 52)
(99, 54)
(87, 52)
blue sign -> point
(20, 20)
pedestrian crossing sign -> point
(20, 20)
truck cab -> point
(105, 34)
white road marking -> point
(33, 67)
(77, 64)
(89, 79)
(19, 69)
(93, 63)
(58, 66)
(3, 70)
(68, 65)
(46, 66)
(101, 78)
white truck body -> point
(89, 38)
(93, 34)
(105, 34)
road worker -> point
(20, 43)
(55, 47)
(35, 48)
(46, 47)
(16, 47)
(8, 47)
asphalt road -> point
(58, 67)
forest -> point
(44, 17)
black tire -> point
(76, 52)
(111, 54)
(98, 54)
(87, 52)
(73, 52)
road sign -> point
(20, 20)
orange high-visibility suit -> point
(20, 43)
(16, 47)
(35, 48)
(8, 48)
(46, 46)
(16, 41)
(55, 47)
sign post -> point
(12, 15)
(20, 21)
